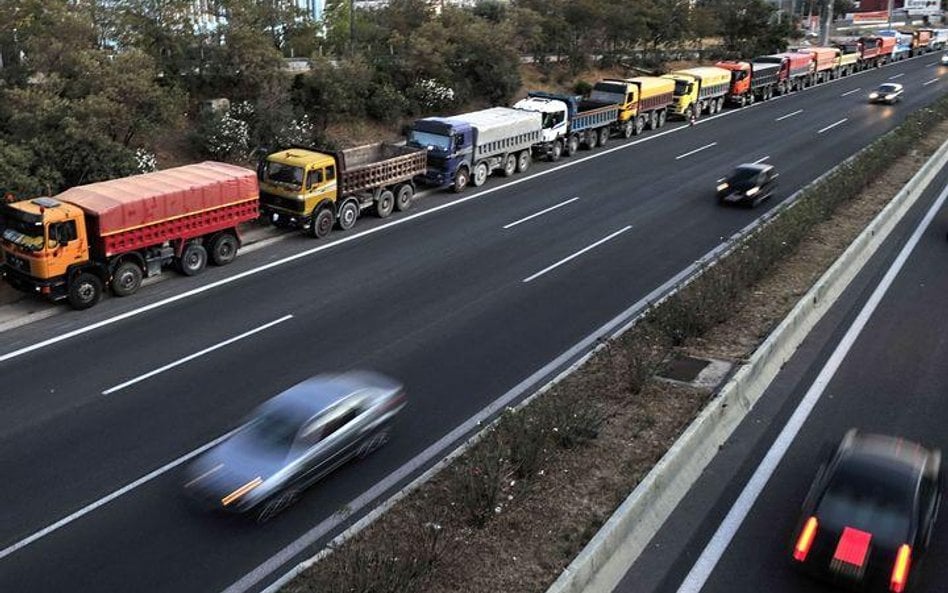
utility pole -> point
(825, 33)
(890, 15)
(352, 17)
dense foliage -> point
(91, 90)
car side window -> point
(339, 421)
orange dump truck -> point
(114, 233)
(826, 62)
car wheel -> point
(373, 443)
(276, 504)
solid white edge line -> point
(109, 498)
(762, 159)
(899, 75)
(847, 93)
(831, 126)
(575, 255)
(712, 553)
(697, 150)
(191, 357)
(224, 281)
(932, 81)
(540, 213)
(783, 117)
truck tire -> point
(348, 215)
(603, 136)
(126, 279)
(662, 118)
(321, 225)
(193, 259)
(556, 151)
(405, 198)
(223, 249)
(524, 160)
(480, 174)
(510, 165)
(85, 290)
(639, 124)
(652, 120)
(628, 129)
(572, 145)
(385, 204)
(460, 180)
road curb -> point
(604, 560)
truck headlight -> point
(752, 191)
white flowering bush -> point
(431, 94)
(145, 161)
(226, 136)
(243, 110)
(296, 132)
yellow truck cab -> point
(294, 182)
(699, 90)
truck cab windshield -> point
(285, 174)
(551, 120)
(429, 140)
(682, 87)
(28, 235)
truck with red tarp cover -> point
(796, 70)
(115, 233)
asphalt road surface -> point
(882, 369)
(462, 303)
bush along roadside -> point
(508, 460)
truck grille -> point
(291, 204)
(17, 263)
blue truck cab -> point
(450, 144)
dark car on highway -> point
(869, 515)
(749, 184)
(293, 440)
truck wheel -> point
(127, 279)
(348, 215)
(628, 129)
(480, 174)
(662, 118)
(406, 195)
(720, 104)
(639, 124)
(556, 151)
(510, 165)
(223, 249)
(523, 161)
(460, 180)
(321, 225)
(385, 204)
(193, 259)
(603, 136)
(85, 291)
(652, 120)
(572, 145)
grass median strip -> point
(512, 511)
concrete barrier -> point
(602, 563)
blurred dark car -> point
(887, 93)
(293, 440)
(749, 184)
(869, 515)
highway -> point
(463, 302)
(877, 362)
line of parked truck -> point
(113, 234)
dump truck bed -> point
(368, 167)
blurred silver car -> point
(889, 92)
(293, 440)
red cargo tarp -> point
(130, 202)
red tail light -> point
(903, 560)
(805, 541)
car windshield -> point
(26, 234)
(744, 178)
(888, 88)
(429, 140)
(864, 496)
(273, 431)
(288, 175)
